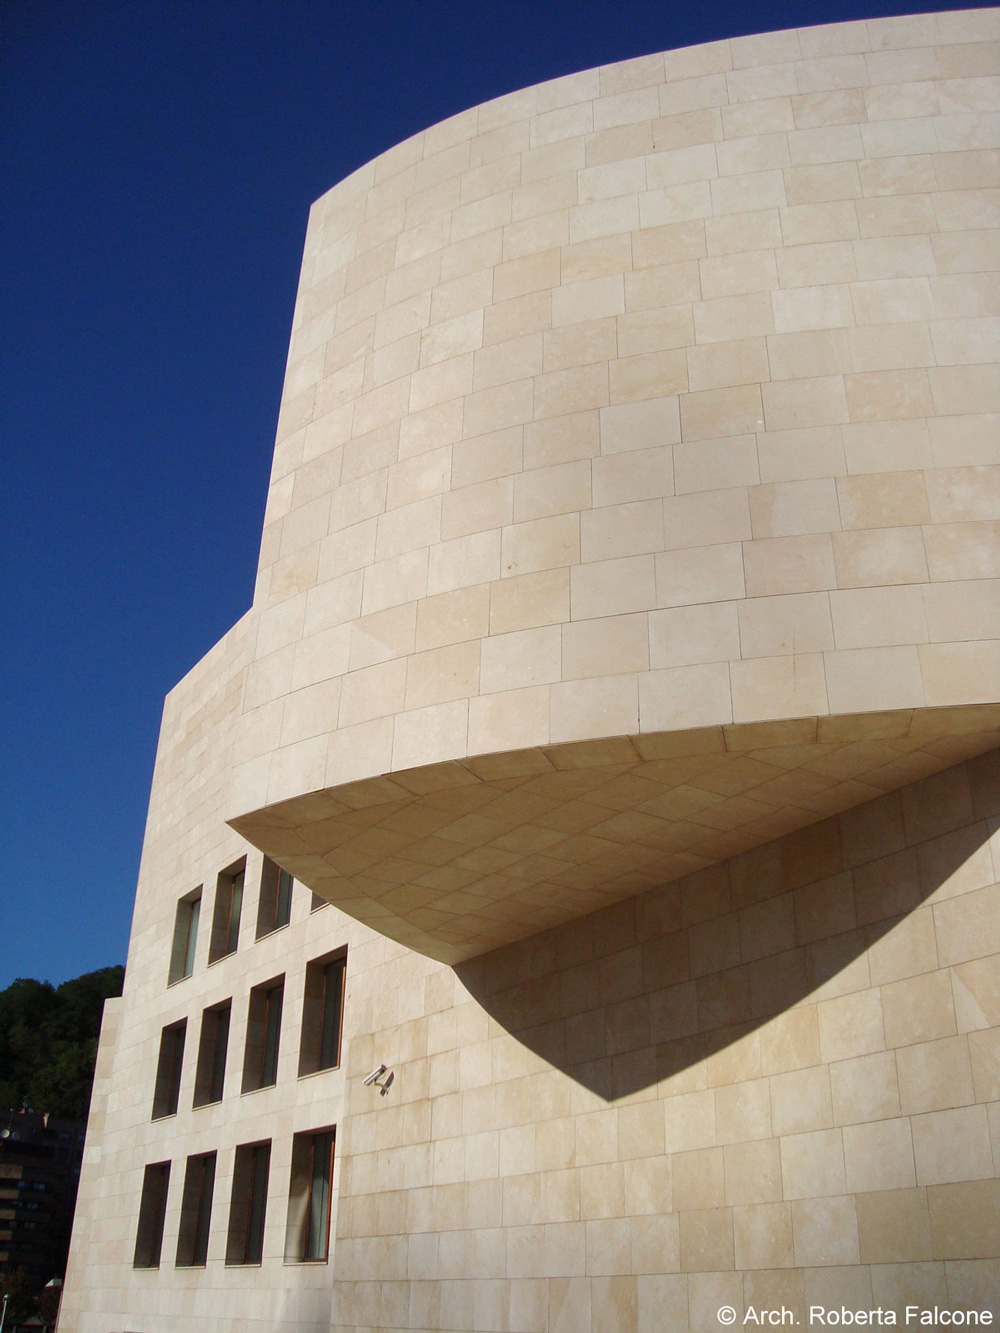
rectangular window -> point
(196, 1211)
(310, 1197)
(274, 908)
(248, 1204)
(210, 1075)
(152, 1210)
(226, 918)
(168, 1070)
(185, 937)
(318, 901)
(260, 1062)
(323, 1014)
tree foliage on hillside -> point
(48, 1041)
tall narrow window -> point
(185, 937)
(323, 1014)
(248, 1204)
(196, 1211)
(168, 1070)
(152, 1210)
(274, 908)
(260, 1063)
(226, 918)
(310, 1197)
(210, 1075)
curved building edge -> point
(659, 398)
(737, 1047)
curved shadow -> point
(641, 991)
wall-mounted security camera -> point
(376, 1074)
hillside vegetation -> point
(48, 1041)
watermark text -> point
(911, 1316)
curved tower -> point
(622, 667)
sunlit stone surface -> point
(623, 668)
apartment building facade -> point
(40, 1157)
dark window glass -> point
(283, 910)
(310, 1196)
(196, 1211)
(323, 1014)
(210, 1076)
(333, 1010)
(226, 918)
(274, 909)
(260, 1063)
(168, 1069)
(248, 1204)
(185, 937)
(152, 1210)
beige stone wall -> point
(655, 397)
(773, 1083)
(631, 543)
(659, 398)
(776, 1082)
(188, 844)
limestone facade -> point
(624, 669)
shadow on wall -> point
(641, 991)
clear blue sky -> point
(158, 161)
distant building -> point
(623, 668)
(40, 1157)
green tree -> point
(48, 1041)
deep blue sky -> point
(158, 161)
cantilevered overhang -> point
(455, 859)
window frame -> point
(311, 1149)
(184, 943)
(263, 1044)
(323, 1013)
(152, 1215)
(229, 893)
(213, 1054)
(169, 1067)
(248, 1204)
(274, 904)
(196, 1211)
